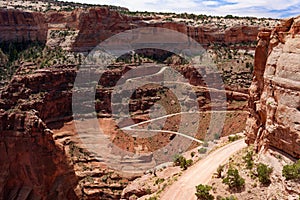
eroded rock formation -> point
(93, 26)
(275, 92)
(19, 26)
(82, 29)
(47, 91)
(32, 165)
(25, 138)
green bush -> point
(292, 172)
(264, 173)
(202, 192)
(192, 154)
(248, 158)
(233, 138)
(181, 161)
(202, 150)
(233, 179)
(216, 136)
(205, 144)
(159, 180)
(152, 198)
(229, 198)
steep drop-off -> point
(32, 165)
(81, 30)
(19, 26)
(25, 138)
(275, 92)
(94, 25)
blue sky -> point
(257, 8)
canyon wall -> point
(32, 165)
(19, 26)
(82, 29)
(275, 92)
(97, 24)
(36, 163)
(47, 91)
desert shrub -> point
(192, 154)
(202, 192)
(159, 180)
(216, 136)
(181, 161)
(202, 150)
(233, 138)
(152, 198)
(230, 198)
(264, 172)
(248, 158)
(220, 170)
(233, 179)
(189, 162)
(292, 172)
(205, 144)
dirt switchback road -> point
(200, 173)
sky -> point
(255, 8)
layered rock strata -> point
(32, 165)
(275, 91)
(83, 29)
(19, 26)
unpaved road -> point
(200, 173)
(131, 127)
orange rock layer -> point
(275, 92)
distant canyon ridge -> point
(81, 30)
(36, 104)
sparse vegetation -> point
(220, 171)
(202, 150)
(181, 161)
(192, 154)
(233, 138)
(228, 198)
(159, 180)
(248, 158)
(233, 179)
(205, 144)
(292, 172)
(264, 172)
(202, 192)
(10, 52)
(152, 198)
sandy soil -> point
(200, 173)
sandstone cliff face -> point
(21, 26)
(47, 91)
(32, 165)
(275, 92)
(95, 25)
(83, 29)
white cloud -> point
(210, 3)
(258, 8)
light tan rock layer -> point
(275, 92)
(83, 29)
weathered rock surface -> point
(24, 137)
(97, 24)
(32, 165)
(275, 92)
(16, 25)
(82, 29)
(47, 91)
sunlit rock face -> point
(275, 91)
(19, 26)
